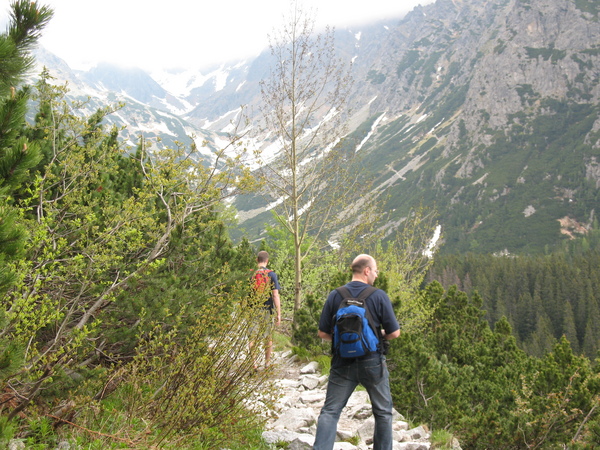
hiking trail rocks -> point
(293, 421)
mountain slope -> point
(507, 96)
(487, 111)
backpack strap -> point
(363, 295)
(263, 271)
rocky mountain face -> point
(485, 111)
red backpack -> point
(261, 282)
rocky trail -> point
(292, 423)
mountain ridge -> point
(487, 112)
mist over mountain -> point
(485, 111)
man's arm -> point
(277, 303)
(325, 336)
(391, 336)
(325, 321)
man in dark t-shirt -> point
(370, 370)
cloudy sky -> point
(154, 34)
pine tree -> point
(542, 339)
(17, 154)
(569, 330)
(590, 343)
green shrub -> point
(441, 439)
(41, 433)
(354, 440)
(324, 364)
(301, 353)
(8, 429)
(193, 385)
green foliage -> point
(459, 375)
(354, 440)
(301, 353)
(528, 96)
(410, 58)
(17, 153)
(320, 272)
(429, 69)
(307, 73)
(428, 145)
(188, 392)
(546, 53)
(403, 263)
(488, 215)
(8, 430)
(556, 397)
(281, 341)
(499, 49)
(306, 325)
(41, 434)
(375, 77)
(189, 384)
(28, 19)
(441, 439)
(588, 6)
(113, 237)
(12, 353)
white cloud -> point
(184, 34)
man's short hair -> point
(360, 262)
(262, 256)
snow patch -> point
(233, 112)
(432, 243)
(157, 127)
(529, 211)
(436, 125)
(370, 133)
(181, 84)
(272, 205)
(303, 209)
(220, 80)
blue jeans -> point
(373, 374)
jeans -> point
(373, 374)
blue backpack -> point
(354, 334)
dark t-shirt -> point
(378, 303)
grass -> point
(354, 440)
(281, 342)
(324, 364)
(441, 439)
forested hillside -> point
(544, 297)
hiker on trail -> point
(369, 370)
(265, 283)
